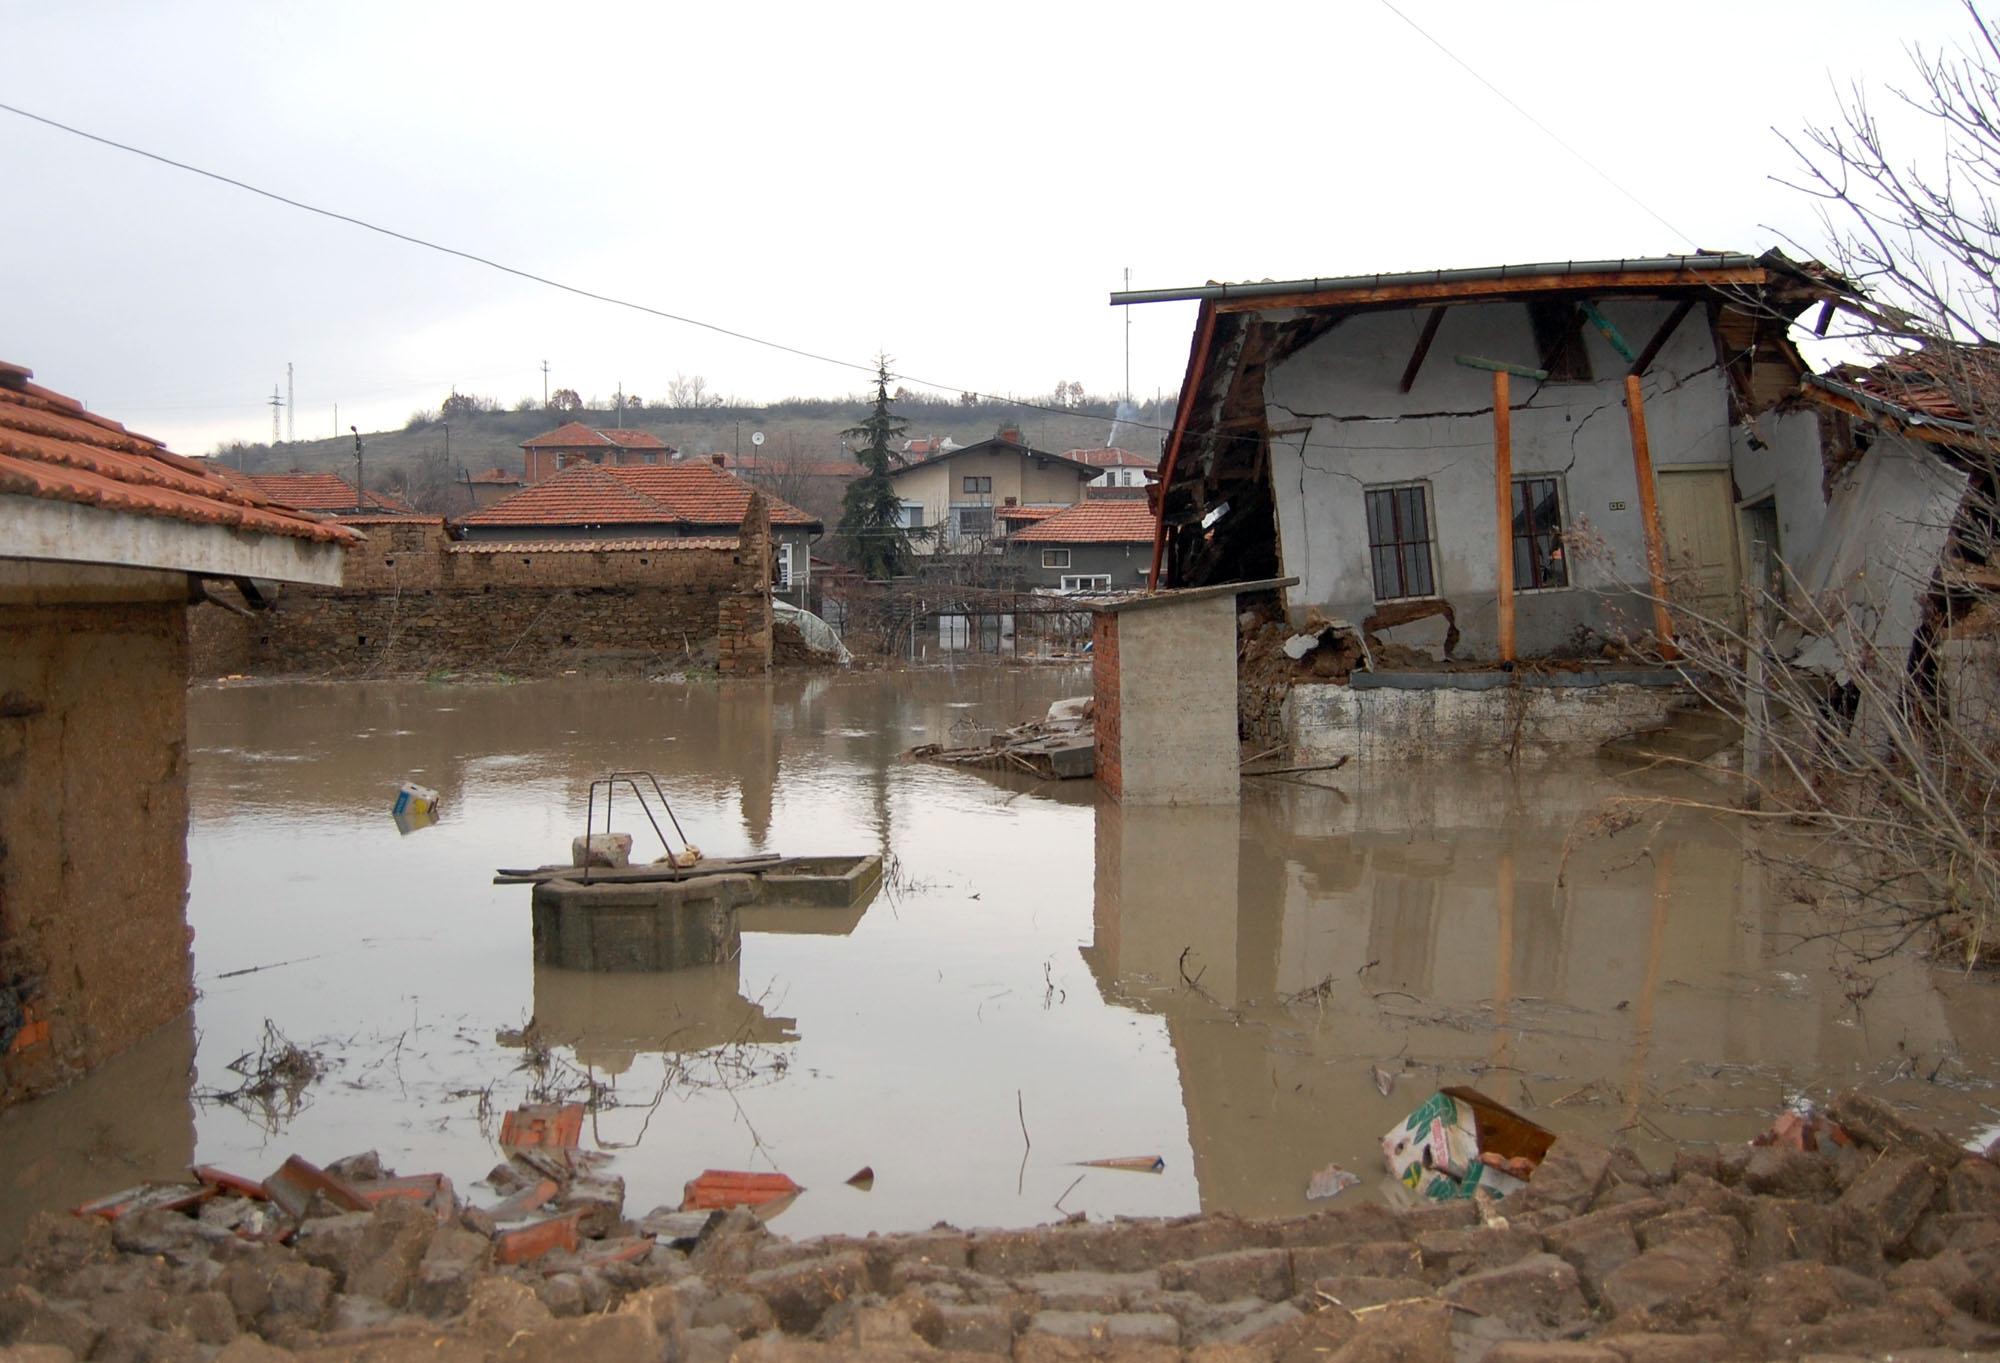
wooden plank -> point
(1197, 369)
(1649, 511)
(1503, 495)
(1611, 333)
(1660, 337)
(1449, 291)
(1500, 366)
(1431, 324)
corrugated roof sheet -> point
(53, 449)
(574, 435)
(687, 493)
(1124, 521)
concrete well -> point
(653, 925)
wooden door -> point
(1698, 522)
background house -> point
(1123, 473)
(1102, 545)
(1349, 432)
(545, 455)
(960, 491)
(483, 489)
(105, 537)
(621, 504)
(325, 494)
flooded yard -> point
(1046, 978)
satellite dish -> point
(756, 437)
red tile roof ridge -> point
(573, 435)
(579, 494)
(592, 546)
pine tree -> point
(871, 533)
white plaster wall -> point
(1361, 430)
(1788, 468)
(1329, 722)
(1177, 702)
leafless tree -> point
(689, 391)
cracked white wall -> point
(1351, 427)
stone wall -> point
(743, 618)
(414, 601)
(93, 830)
(1105, 680)
(1448, 717)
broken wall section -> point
(94, 943)
(743, 617)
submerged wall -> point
(94, 943)
(1340, 423)
(1462, 718)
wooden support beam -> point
(1503, 494)
(1611, 333)
(1431, 324)
(1661, 337)
(1649, 511)
(1500, 366)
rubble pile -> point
(1875, 1236)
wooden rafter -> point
(1431, 325)
(1662, 336)
(1464, 291)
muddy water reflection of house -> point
(1658, 991)
(900, 1038)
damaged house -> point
(1499, 464)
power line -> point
(1551, 133)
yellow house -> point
(958, 492)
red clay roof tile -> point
(326, 492)
(684, 493)
(574, 435)
(1125, 521)
(51, 448)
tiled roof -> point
(702, 494)
(603, 546)
(1940, 382)
(52, 449)
(321, 492)
(1112, 457)
(574, 435)
(502, 477)
(388, 518)
(1026, 513)
(805, 468)
(1100, 522)
(688, 493)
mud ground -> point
(1890, 1245)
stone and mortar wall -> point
(93, 833)
(743, 619)
(1329, 722)
(412, 601)
(1106, 682)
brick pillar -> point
(743, 621)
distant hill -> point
(413, 461)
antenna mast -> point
(277, 405)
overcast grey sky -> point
(961, 186)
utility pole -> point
(336, 421)
(277, 404)
(290, 407)
(545, 385)
(1128, 337)
(621, 404)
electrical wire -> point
(1549, 132)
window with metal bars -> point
(1399, 541)
(1538, 530)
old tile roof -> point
(53, 449)
(500, 477)
(574, 435)
(1946, 383)
(324, 492)
(591, 546)
(998, 444)
(1112, 457)
(1124, 521)
(685, 493)
(1026, 513)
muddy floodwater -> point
(1048, 978)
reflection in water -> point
(1240, 969)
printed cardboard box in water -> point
(1434, 1152)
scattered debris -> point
(275, 1078)
(299, 1181)
(862, 1178)
(1385, 1082)
(720, 1188)
(1135, 1164)
(559, 1125)
(612, 851)
(1439, 1151)
(1804, 1130)
(1331, 1181)
(414, 807)
(1062, 746)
